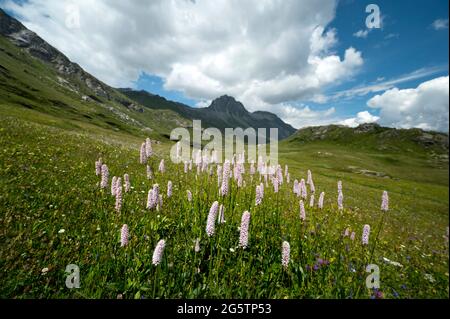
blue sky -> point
(407, 42)
(307, 65)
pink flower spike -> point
(126, 178)
(211, 221)
(105, 176)
(118, 194)
(158, 253)
(385, 201)
(321, 198)
(365, 235)
(302, 210)
(285, 254)
(124, 235)
(169, 189)
(143, 155)
(243, 236)
(113, 186)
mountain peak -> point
(227, 104)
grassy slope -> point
(48, 183)
(27, 83)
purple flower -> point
(143, 155)
(309, 178)
(113, 185)
(126, 178)
(377, 294)
(118, 194)
(275, 183)
(169, 188)
(302, 210)
(150, 200)
(225, 177)
(210, 223)
(189, 195)
(340, 201)
(385, 201)
(258, 198)
(321, 198)
(156, 190)
(162, 167)
(296, 188)
(346, 232)
(303, 191)
(285, 254)
(311, 201)
(124, 235)
(98, 167)
(352, 236)
(105, 176)
(148, 147)
(365, 235)
(252, 168)
(312, 188)
(158, 252)
(243, 236)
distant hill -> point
(223, 112)
(374, 137)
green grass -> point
(48, 183)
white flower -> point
(232, 250)
(61, 231)
(430, 278)
(393, 263)
(44, 270)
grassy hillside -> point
(28, 83)
(53, 214)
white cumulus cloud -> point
(265, 53)
(361, 33)
(361, 118)
(426, 106)
(440, 24)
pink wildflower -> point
(158, 253)
(385, 201)
(210, 223)
(105, 176)
(124, 235)
(285, 255)
(365, 235)
(243, 236)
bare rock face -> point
(40, 49)
(367, 127)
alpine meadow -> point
(93, 205)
